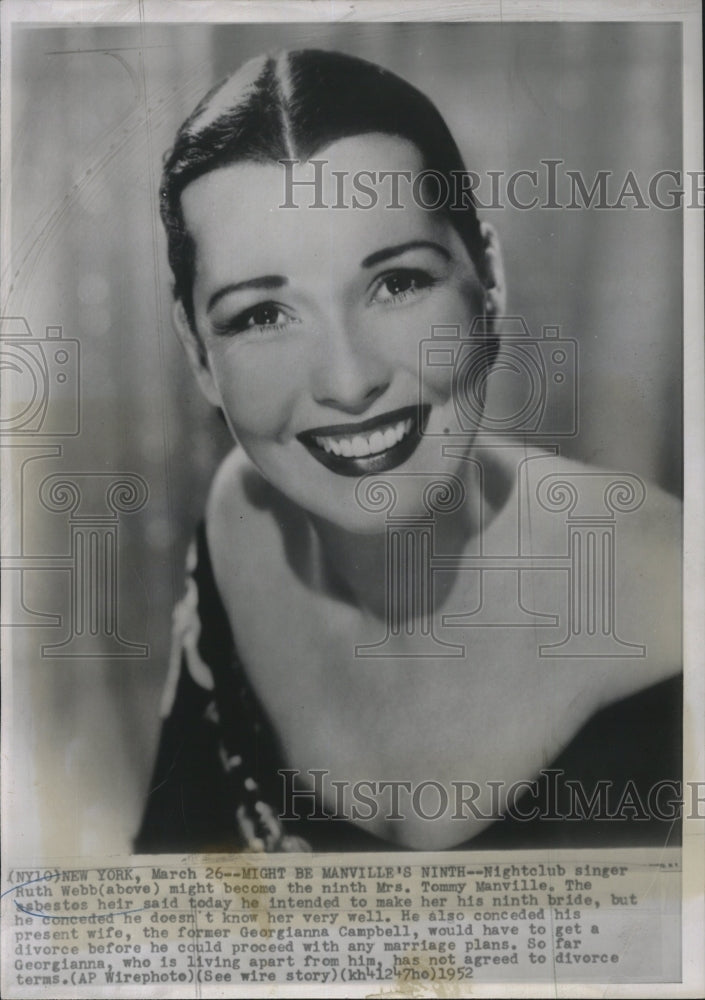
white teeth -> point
(390, 438)
(361, 446)
(377, 442)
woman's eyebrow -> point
(387, 252)
(267, 281)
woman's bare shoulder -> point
(619, 536)
(576, 492)
(633, 532)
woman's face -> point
(313, 319)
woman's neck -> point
(360, 567)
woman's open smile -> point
(375, 445)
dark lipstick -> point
(381, 461)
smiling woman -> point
(337, 334)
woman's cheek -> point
(258, 400)
(447, 310)
(437, 384)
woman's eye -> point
(400, 285)
(266, 315)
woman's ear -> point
(495, 290)
(195, 352)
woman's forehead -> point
(349, 198)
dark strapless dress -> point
(216, 785)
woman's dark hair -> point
(289, 106)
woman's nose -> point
(347, 375)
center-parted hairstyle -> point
(288, 107)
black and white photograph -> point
(352, 443)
